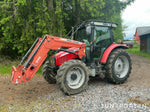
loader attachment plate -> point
(16, 75)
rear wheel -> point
(118, 66)
(48, 73)
(72, 77)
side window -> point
(102, 36)
(82, 36)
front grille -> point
(63, 59)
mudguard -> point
(110, 49)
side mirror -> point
(88, 30)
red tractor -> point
(92, 52)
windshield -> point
(82, 36)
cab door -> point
(102, 39)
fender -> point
(110, 49)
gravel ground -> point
(100, 96)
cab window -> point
(102, 36)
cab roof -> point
(101, 23)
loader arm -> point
(41, 47)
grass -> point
(6, 66)
(136, 50)
(5, 69)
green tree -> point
(22, 21)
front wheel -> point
(48, 73)
(72, 77)
(118, 66)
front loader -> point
(91, 52)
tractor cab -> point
(98, 37)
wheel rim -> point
(121, 66)
(75, 77)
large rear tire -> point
(48, 73)
(118, 66)
(72, 77)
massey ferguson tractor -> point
(90, 53)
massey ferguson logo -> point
(38, 59)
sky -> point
(136, 14)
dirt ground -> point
(37, 87)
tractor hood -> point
(63, 56)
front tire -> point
(72, 77)
(48, 73)
(118, 66)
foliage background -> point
(22, 21)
